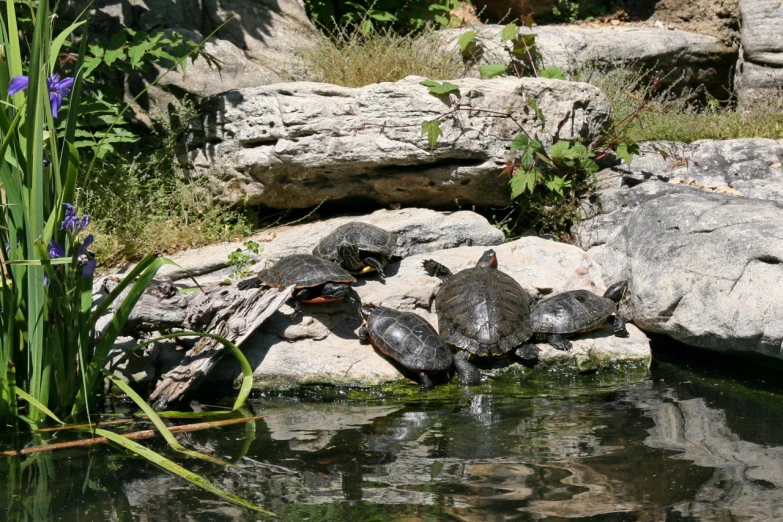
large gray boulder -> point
(295, 145)
(703, 268)
(759, 71)
(691, 59)
(751, 167)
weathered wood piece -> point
(224, 311)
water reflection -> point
(665, 448)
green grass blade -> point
(34, 402)
(178, 470)
(115, 327)
(158, 422)
(58, 42)
(114, 294)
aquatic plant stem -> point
(144, 434)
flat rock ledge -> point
(321, 347)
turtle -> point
(408, 339)
(358, 247)
(316, 279)
(481, 311)
(576, 311)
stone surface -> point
(759, 72)
(696, 58)
(295, 145)
(750, 167)
(703, 268)
(320, 347)
(256, 46)
(418, 231)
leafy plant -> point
(51, 360)
(240, 260)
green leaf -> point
(539, 115)
(442, 20)
(520, 142)
(562, 150)
(439, 89)
(432, 130)
(33, 402)
(555, 73)
(590, 166)
(491, 70)
(467, 38)
(508, 32)
(178, 470)
(58, 42)
(116, 48)
(525, 180)
(626, 151)
(382, 16)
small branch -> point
(145, 434)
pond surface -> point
(678, 443)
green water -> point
(688, 441)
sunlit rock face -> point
(294, 145)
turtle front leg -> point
(619, 326)
(246, 284)
(425, 383)
(435, 269)
(364, 334)
(528, 352)
(558, 342)
(377, 264)
(468, 374)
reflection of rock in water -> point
(748, 480)
(310, 427)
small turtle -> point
(317, 280)
(358, 247)
(481, 311)
(408, 339)
(576, 311)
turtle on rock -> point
(408, 339)
(481, 311)
(358, 247)
(316, 280)
(577, 311)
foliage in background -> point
(667, 115)
(146, 203)
(240, 260)
(368, 16)
(547, 184)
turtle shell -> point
(304, 271)
(409, 339)
(571, 312)
(483, 311)
(369, 239)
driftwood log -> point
(222, 310)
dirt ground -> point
(719, 18)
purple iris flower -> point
(58, 89)
(56, 250)
(71, 223)
(85, 258)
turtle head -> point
(488, 260)
(365, 312)
(617, 291)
